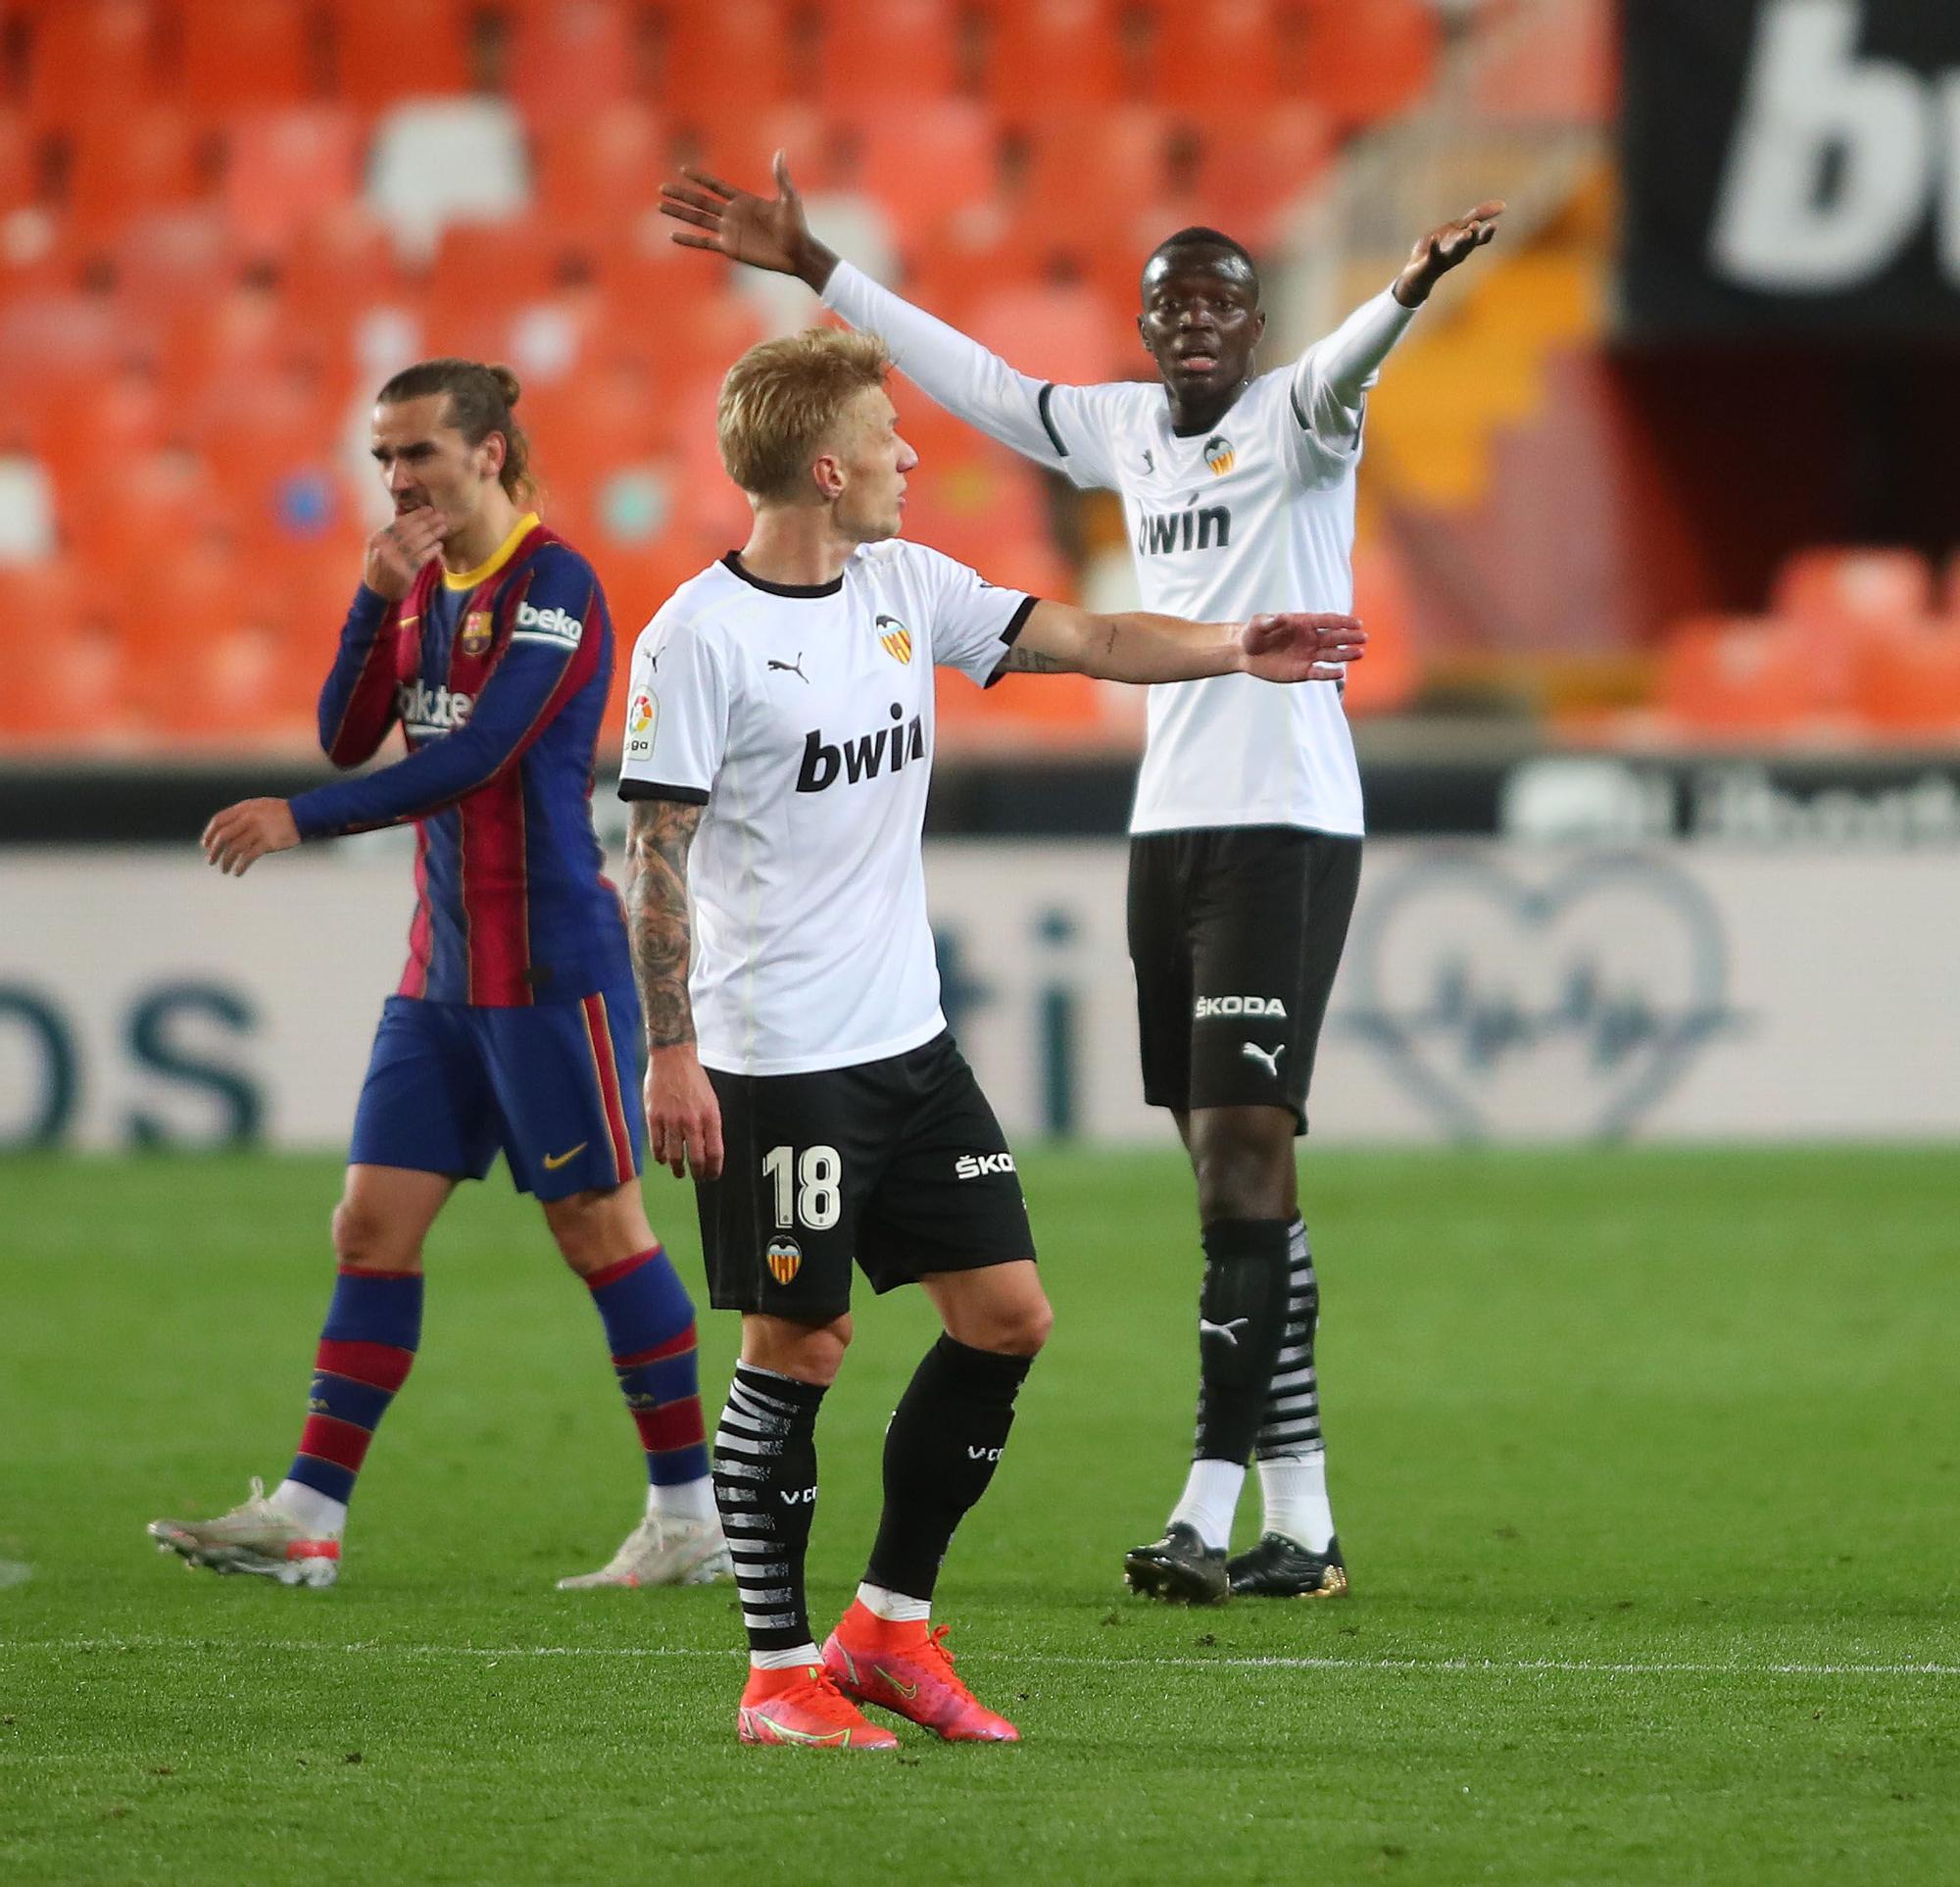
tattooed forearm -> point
(658, 832)
(1022, 660)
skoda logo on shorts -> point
(785, 1258)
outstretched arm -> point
(683, 1116)
(959, 373)
(1335, 374)
(1057, 639)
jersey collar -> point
(732, 563)
(498, 558)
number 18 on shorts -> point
(896, 1167)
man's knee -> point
(1244, 1161)
(805, 1352)
(597, 1229)
(363, 1239)
(1004, 1310)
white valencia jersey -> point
(1256, 514)
(801, 720)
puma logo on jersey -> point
(1208, 1006)
(792, 667)
(864, 758)
(1229, 1332)
(976, 1165)
(1166, 531)
(426, 711)
(1252, 1052)
(1149, 463)
(546, 626)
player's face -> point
(1200, 320)
(425, 461)
(873, 460)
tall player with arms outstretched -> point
(1239, 490)
(515, 1025)
(779, 737)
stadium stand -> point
(221, 222)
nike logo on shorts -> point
(553, 1161)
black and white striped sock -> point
(764, 1465)
(1291, 1452)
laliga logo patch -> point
(895, 639)
(640, 714)
(785, 1258)
(476, 636)
(1220, 456)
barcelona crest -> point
(476, 636)
(895, 639)
(785, 1257)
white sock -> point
(320, 1517)
(1294, 1491)
(1210, 1498)
(804, 1654)
(682, 1500)
(893, 1607)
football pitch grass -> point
(1648, 1466)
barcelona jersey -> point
(498, 677)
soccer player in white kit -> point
(1239, 491)
(779, 737)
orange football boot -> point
(800, 1704)
(907, 1668)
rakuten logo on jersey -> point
(1836, 158)
(864, 758)
(547, 625)
(977, 1166)
(431, 711)
(1208, 1006)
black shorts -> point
(898, 1164)
(1235, 933)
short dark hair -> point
(480, 399)
(1198, 236)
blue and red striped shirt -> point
(499, 678)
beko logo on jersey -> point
(547, 625)
(977, 1166)
(864, 758)
(1192, 528)
(431, 711)
(1208, 1006)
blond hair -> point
(781, 399)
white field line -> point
(1415, 1666)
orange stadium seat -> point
(174, 258)
(1907, 682)
(52, 343)
(1386, 680)
(730, 59)
(1216, 61)
(124, 166)
(1251, 172)
(92, 59)
(1089, 172)
(385, 48)
(1835, 585)
(1056, 57)
(1741, 679)
(1362, 61)
(19, 164)
(968, 502)
(341, 260)
(493, 267)
(877, 55)
(66, 672)
(241, 54)
(930, 163)
(283, 168)
(1054, 331)
(572, 56)
(597, 171)
(739, 143)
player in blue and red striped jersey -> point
(515, 1026)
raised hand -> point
(1442, 248)
(765, 232)
(398, 550)
(246, 832)
(1301, 647)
